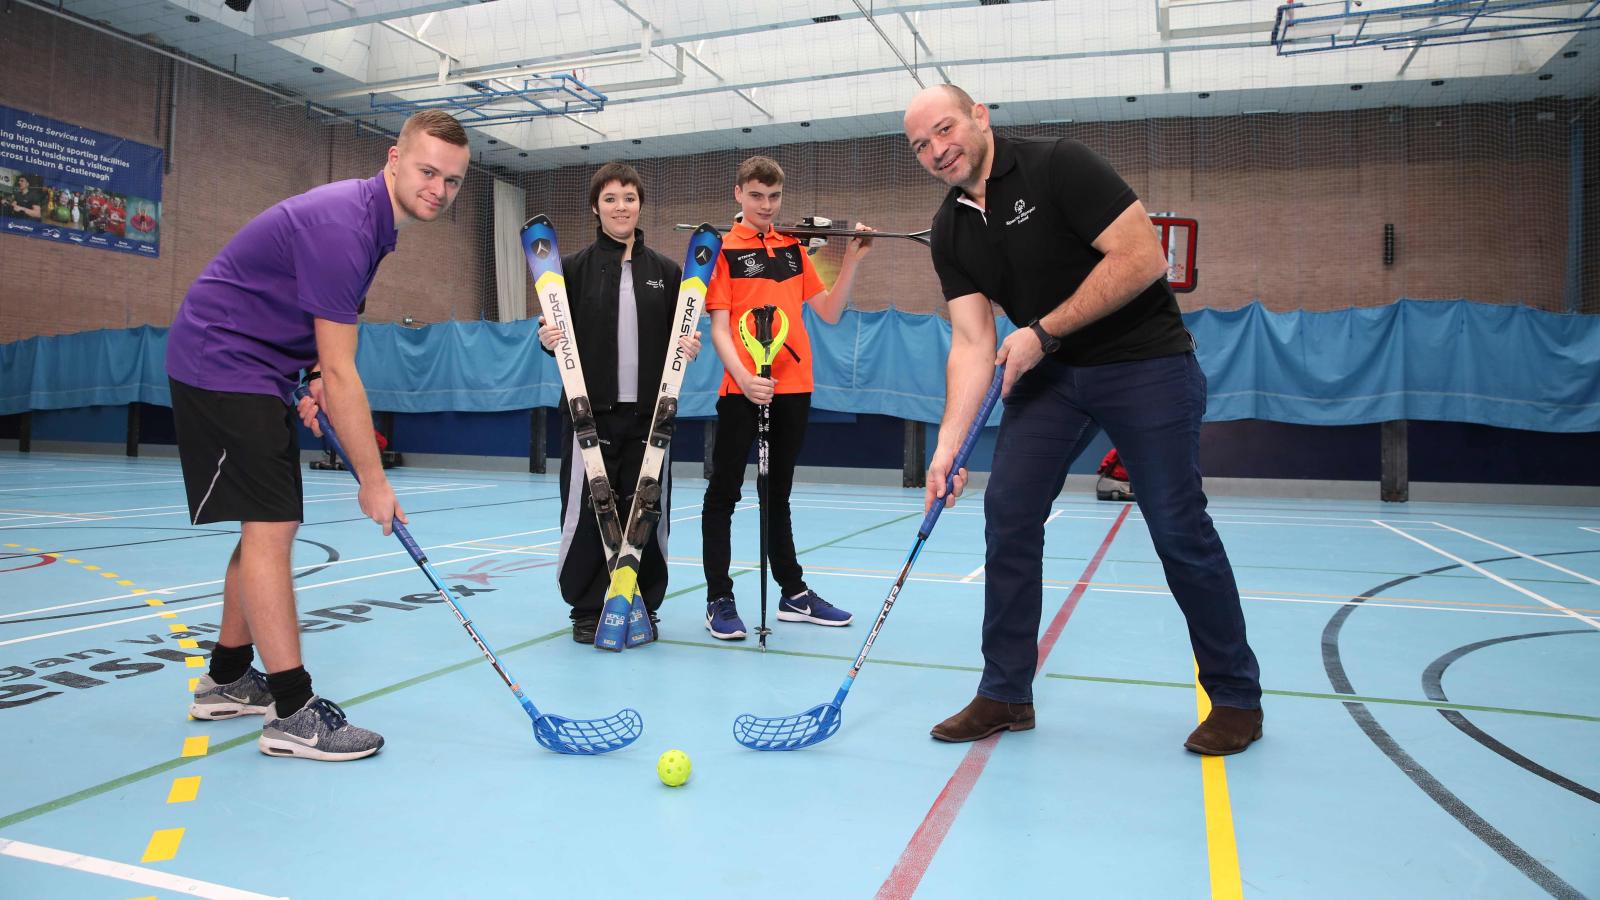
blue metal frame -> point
(545, 95)
(1460, 22)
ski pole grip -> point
(965, 450)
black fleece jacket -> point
(594, 280)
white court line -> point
(1459, 609)
(13, 515)
(215, 581)
(184, 509)
(1087, 507)
(94, 865)
(92, 484)
(299, 589)
(924, 579)
(969, 511)
(531, 547)
(979, 570)
(1488, 574)
(107, 513)
(1542, 562)
(1587, 528)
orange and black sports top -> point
(754, 270)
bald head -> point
(941, 98)
(949, 133)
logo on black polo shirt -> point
(1023, 212)
(657, 283)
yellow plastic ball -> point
(673, 768)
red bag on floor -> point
(1112, 466)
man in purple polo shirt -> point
(284, 296)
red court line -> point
(914, 860)
(43, 561)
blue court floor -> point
(1432, 717)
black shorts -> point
(240, 455)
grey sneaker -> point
(246, 697)
(319, 730)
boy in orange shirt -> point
(757, 267)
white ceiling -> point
(689, 76)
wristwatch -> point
(1047, 341)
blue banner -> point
(59, 182)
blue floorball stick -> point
(578, 737)
(819, 723)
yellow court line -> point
(194, 662)
(169, 615)
(198, 745)
(1222, 848)
(163, 845)
(194, 685)
(184, 789)
(177, 629)
(188, 644)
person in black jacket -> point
(622, 297)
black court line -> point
(1458, 809)
(1432, 684)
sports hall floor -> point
(1432, 717)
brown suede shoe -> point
(1226, 731)
(984, 717)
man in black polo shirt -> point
(1050, 232)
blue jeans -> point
(1151, 410)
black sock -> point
(291, 689)
(228, 664)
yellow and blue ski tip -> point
(624, 620)
(612, 631)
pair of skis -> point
(624, 620)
